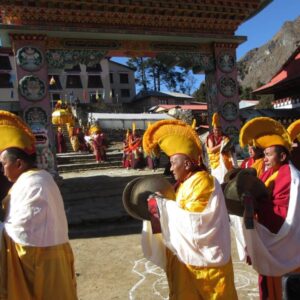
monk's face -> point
(217, 131)
(273, 159)
(180, 166)
(12, 169)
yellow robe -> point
(36, 273)
(189, 282)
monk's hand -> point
(154, 213)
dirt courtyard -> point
(110, 268)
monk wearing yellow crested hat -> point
(36, 259)
(294, 132)
(195, 235)
(273, 245)
(220, 161)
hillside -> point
(260, 64)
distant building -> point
(285, 84)
(107, 81)
(145, 100)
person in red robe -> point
(98, 141)
(254, 154)
(137, 155)
(61, 146)
(126, 159)
(272, 212)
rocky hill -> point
(261, 64)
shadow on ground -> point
(94, 205)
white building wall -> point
(83, 94)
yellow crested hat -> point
(94, 129)
(15, 133)
(194, 124)
(215, 122)
(294, 130)
(172, 137)
(133, 127)
(264, 132)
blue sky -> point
(260, 28)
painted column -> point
(32, 77)
(222, 89)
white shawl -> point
(277, 254)
(36, 215)
(200, 239)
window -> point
(111, 77)
(124, 78)
(5, 63)
(94, 81)
(97, 68)
(73, 82)
(5, 81)
(112, 93)
(163, 101)
(125, 93)
(56, 85)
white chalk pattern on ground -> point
(244, 280)
(148, 271)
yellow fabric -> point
(194, 283)
(194, 193)
(94, 129)
(269, 182)
(172, 137)
(214, 159)
(294, 130)
(259, 166)
(216, 120)
(264, 132)
(61, 117)
(194, 124)
(28, 273)
(74, 142)
(15, 133)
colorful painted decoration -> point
(32, 88)
(233, 133)
(68, 58)
(229, 111)
(36, 116)
(30, 58)
(226, 62)
(227, 86)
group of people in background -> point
(92, 140)
(133, 154)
